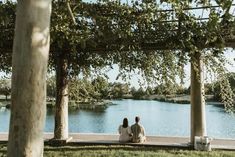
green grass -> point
(123, 151)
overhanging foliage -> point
(140, 35)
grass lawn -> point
(123, 151)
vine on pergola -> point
(159, 42)
(105, 39)
(138, 35)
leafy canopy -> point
(139, 35)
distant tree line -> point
(215, 88)
(5, 87)
(99, 88)
(86, 90)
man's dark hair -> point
(137, 119)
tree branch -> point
(70, 12)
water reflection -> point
(158, 118)
(4, 119)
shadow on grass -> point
(111, 147)
(3, 149)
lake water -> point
(158, 118)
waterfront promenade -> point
(112, 139)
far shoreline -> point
(103, 104)
(179, 99)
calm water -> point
(158, 118)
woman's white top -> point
(124, 133)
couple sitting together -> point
(135, 133)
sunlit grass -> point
(130, 151)
(124, 151)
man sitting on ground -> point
(138, 132)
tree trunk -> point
(198, 119)
(29, 68)
(61, 111)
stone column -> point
(198, 118)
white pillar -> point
(198, 118)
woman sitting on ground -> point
(124, 131)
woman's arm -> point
(120, 129)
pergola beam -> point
(143, 47)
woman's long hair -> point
(125, 123)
